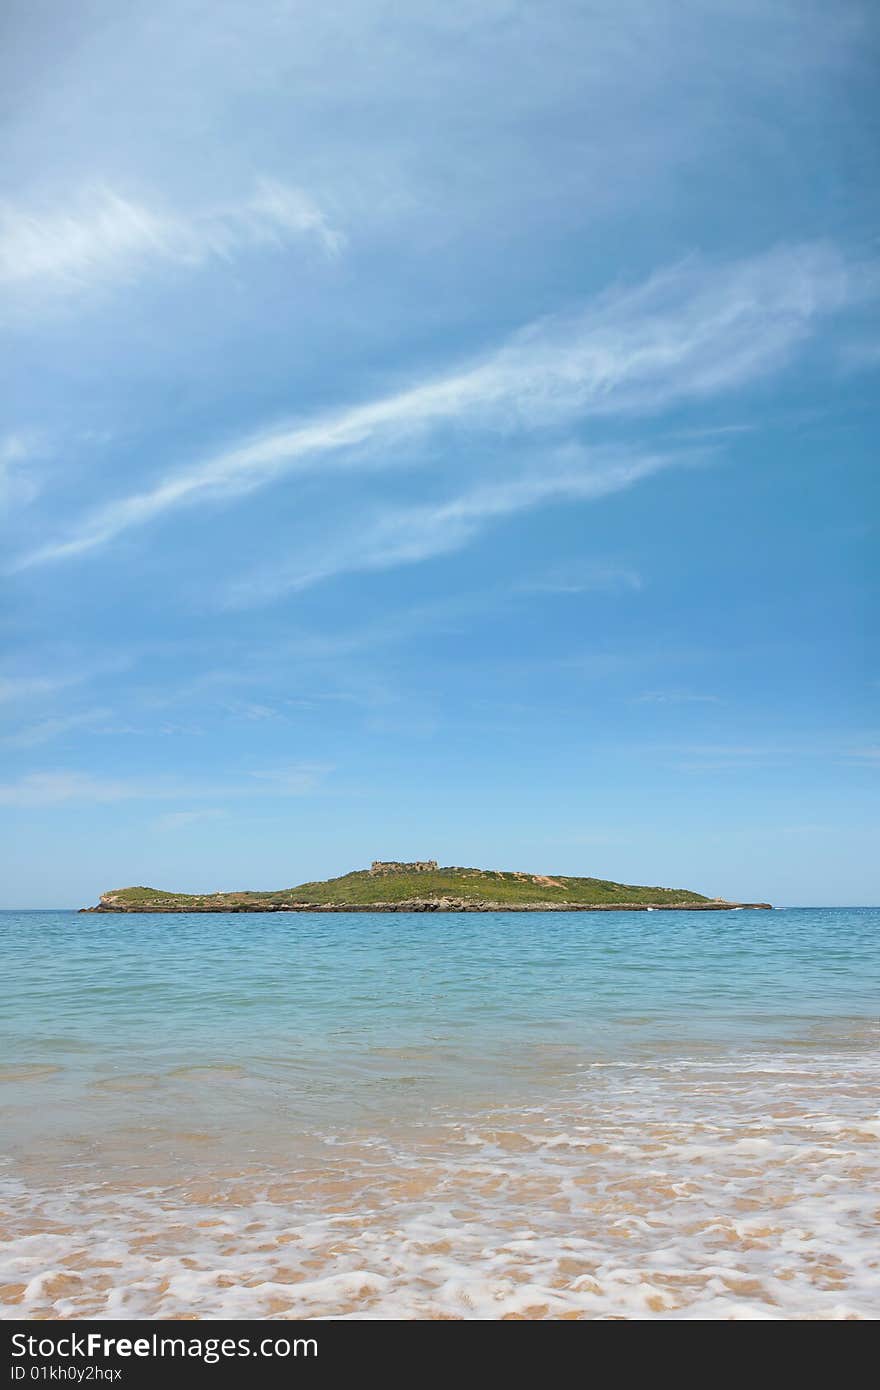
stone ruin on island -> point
(395, 866)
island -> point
(422, 886)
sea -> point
(429, 1116)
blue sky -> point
(443, 430)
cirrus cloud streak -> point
(688, 333)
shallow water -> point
(503, 1115)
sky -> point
(442, 430)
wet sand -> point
(718, 1188)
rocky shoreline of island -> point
(431, 905)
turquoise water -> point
(144, 1054)
(98, 995)
(339, 1018)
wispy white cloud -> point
(732, 757)
(61, 787)
(18, 483)
(45, 730)
(58, 672)
(25, 687)
(58, 788)
(179, 820)
(585, 579)
(101, 236)
(273, 215)
(690, 332)
(295, 780)
(409, 535)
(675, 697)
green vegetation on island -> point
(422, 887)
